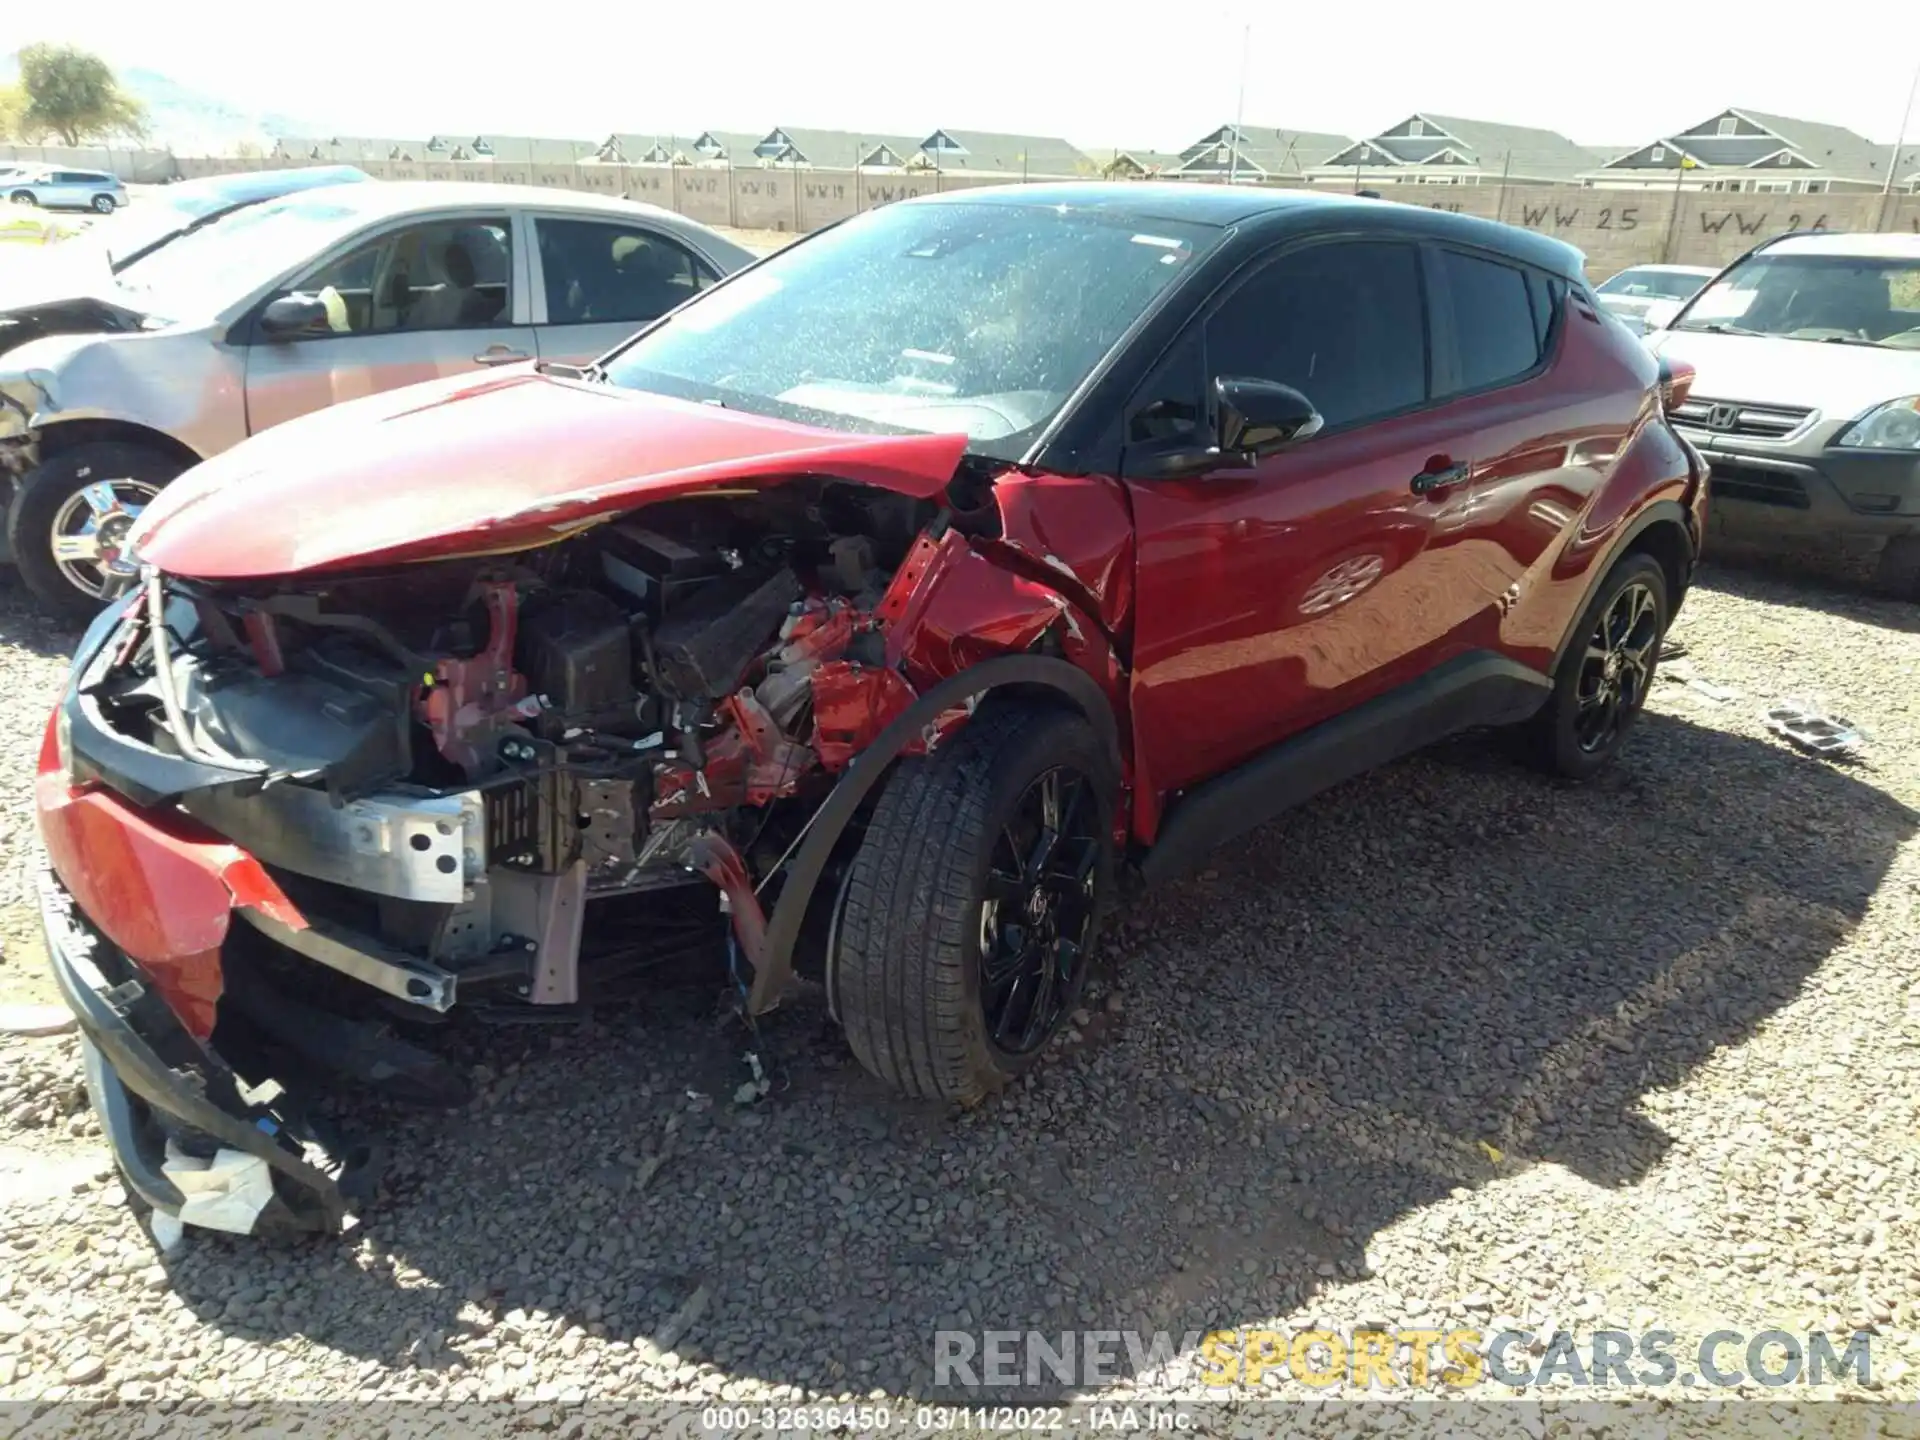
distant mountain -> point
(189, 121)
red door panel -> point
(1270, 599)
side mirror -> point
(1256, 418)
(292, 315)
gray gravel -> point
(1449, 1046)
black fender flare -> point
(1660, 512)
(870, 766)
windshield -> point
(1654, 284)
(1860, 300)
(153, 219)
(955, 318)
(204, 271)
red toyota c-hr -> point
(906, 589)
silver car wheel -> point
(89, 533)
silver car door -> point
(598, 279)
(428, 297)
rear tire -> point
(103, 205)
(53, 497)
(1898, 572)
(964, 935)
(23, 197)
(1606, 675)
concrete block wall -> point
(1614, 228)
(139, 167)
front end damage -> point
(283, 813)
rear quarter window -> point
(1498, 335)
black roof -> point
(1275, 213)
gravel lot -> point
(1449, 1046)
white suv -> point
(1806, 395)
(56, 189)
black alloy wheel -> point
(1037, 910)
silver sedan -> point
(292, 305)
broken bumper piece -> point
(237, 1166)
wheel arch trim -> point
(870, 768)
(1659, 512)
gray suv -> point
(1806, 396)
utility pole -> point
(1899, 141)
(1240, 108)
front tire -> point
(1898, 572)
(1607, 673)
(24, 197)
(973, 905)
(70, 518)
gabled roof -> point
(993, 151)
(347, 149)
(1136, 161)
(1831, 150)
(1522, 152)
(734, 147)
(640, 149)
(1830, 147)
(1271, 151)
(510, 149)
(833, 149)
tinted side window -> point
(1549, 296)
(1343, 323)
(1496, 328)
(443, 275)
(597, 272)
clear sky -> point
(1125, 72)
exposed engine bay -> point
(444, 762)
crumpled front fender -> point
(159, 887)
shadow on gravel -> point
(25, 625)
(1826, 585)
(1318, 1036)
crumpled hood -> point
(71, 270)
(1840, 381)
(66, 289)
(511, 459)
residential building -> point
(1749, 151)
(724, 147)
(834, 149)
(1450, 150)
(625, 149)
(344, 149)
(509, 149)
(992, 153)
(1135, 163)
(1257, 153)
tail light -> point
(1676, 383)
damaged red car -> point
(878, 614)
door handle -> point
(1427, 481)
(500, 355)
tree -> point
(74, 95)
(13, 107)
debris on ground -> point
(1681, 672)
(756, 1089)
(35, 1021)
(1808, 726)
